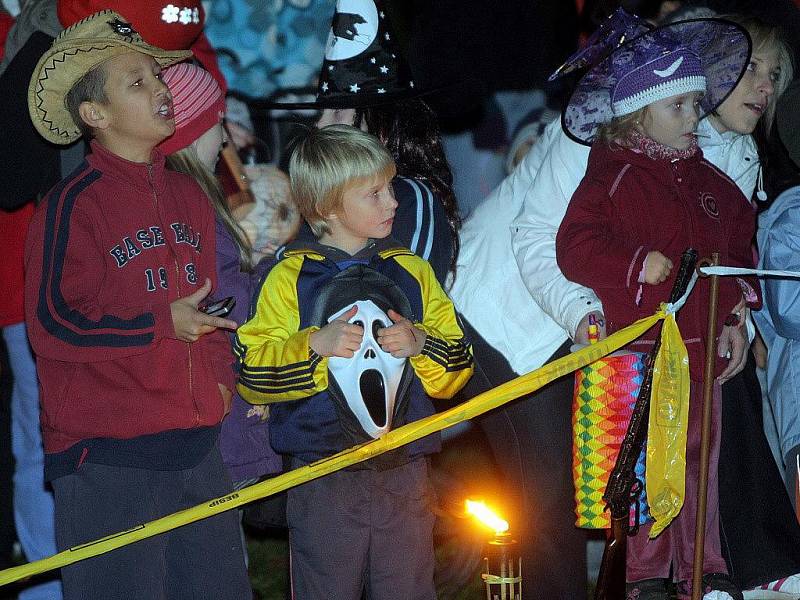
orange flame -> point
(486, 516)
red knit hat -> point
(167, 24)
(198, 103)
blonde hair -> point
(328, 162)
(187, 162)
(767, 37)
(618, 129)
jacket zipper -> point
(177, 290)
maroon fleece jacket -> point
(629, 204)
(108, 250)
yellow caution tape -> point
(394, 439)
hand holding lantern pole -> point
(624, 488)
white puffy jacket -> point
(508, 284)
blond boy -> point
(351, 337)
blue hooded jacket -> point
(779, 319)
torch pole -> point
(705, 435)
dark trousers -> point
(759, 531)
(202, 560)
(531, 439)
(363, 531)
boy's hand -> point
(338, 338)
(227, 397)
(189, 323)
(402, 339)
(657, 267)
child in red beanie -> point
(193, 149)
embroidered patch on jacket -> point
(709, 204)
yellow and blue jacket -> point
(279, 367)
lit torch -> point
(500, 561)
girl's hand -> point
(759, 352)
(582, 332)
(402, 339)
(338, 338)
(240, 136)
(732, 344)
(657, 267)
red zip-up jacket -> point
(108, 250)
(629, 204)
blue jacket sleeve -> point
(420, 224)
(782, 296)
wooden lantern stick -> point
(234, 164)
(705, 433)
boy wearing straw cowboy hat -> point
(134, 378)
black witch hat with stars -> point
(362, 65)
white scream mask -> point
(369, 381)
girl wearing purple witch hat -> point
(649, 194)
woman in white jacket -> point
(512, 293)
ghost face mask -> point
(369, 390)
(369, 382)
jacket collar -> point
(709, 137)
(373, 248)
(142, 176)
(602, 157)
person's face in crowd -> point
(749, 100)
(367, 212)
(209, 145)
(338, 116)
(673, 121)
(138, 114)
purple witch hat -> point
(696, 55)
(618, 28)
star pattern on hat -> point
(376, 68)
